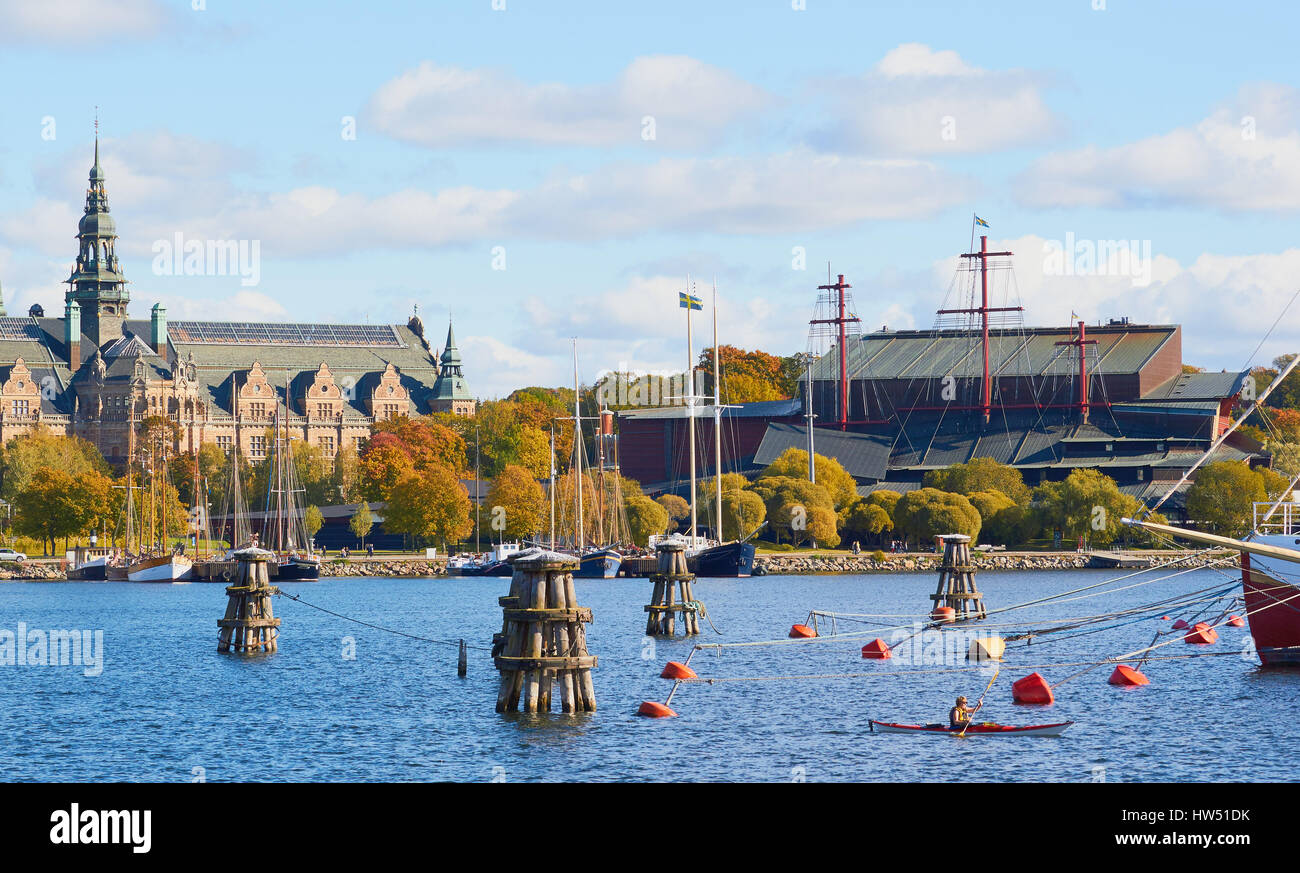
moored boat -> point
(159, 568)
(982, 729)
(726, 560)
(599, 564)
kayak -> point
(988, 727)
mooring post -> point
(543, 641)
(249, 625)
(957, 590)
(462, 660)
(664, 604)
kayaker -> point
(959, 715)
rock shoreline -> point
(807, 565)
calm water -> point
(167, 702)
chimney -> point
(158, 329)
(72, 334)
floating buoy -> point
(1181, 625)
(653, 709)
(1126, 675)
(801, 631)
(677, 670)
(943, 614)
(877, 648)
(1164, 618)
(1032, 689)
(1201, 634)
(1236, 621)
(986, 649)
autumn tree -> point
(1221, 498)
(23, 455)
(789, 501)
(979, 474)
(929, 512)
(313, 520)
(518, 504)
(430, 504)
(677, 508)
(831, 475)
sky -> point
(538, 171)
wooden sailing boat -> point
(601, 561)
(159, 564)
(285, 529)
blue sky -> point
(862, 134)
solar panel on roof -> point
(19, 329)
(274, 333)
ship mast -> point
(552, 486)
(577, 448)
(690, 400)
(717, 422)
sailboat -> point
(602, 561)
(712, 559)
(159, 564)
(285, 529)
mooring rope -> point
(380, 627)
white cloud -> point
(692, 103)
(495, 368)
(153, 198)
(1244, 156)
(66, 22)
(243, 305)
(918, 101)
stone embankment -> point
(809, 564)
(384, 567)
(33, 571)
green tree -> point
(929, 512)
(677, 508)
(313, 520)
(361, 522)
(831, 475)
(979, 474)
(23, 455)
(866, 519)
(47, 507)
(789, 501)
(1220, 499)
(644, 518)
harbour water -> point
(167, 707)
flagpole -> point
(690, 400)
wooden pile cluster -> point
(673, 594)
(249, 625)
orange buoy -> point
(1201, 634)
(943, 614)
(1236, 621)
(677, 670)
(653, 709)
(1180, 625)
(1032, 689)
(1164, 618)
(801, 631)
(1126, 675)
(877, 648)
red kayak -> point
(988, 727)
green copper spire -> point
(451, 354)
(450, 384)
(97, 283)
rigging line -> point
(720, 680)
(1276, 322)
(1249, 613)
(380, 627)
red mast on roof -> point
(1081, 341)
(840, 321)
(986, 387)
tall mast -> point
(983, 310)
(552, 486)
(478, 489)
(600, 496)
(812, 458)
(577, 448)
(690, 399)
(717, 421)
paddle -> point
(980, 702)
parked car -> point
(11, 555)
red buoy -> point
(677, 670)
(1032, 689)
(1201, 634)
(652, 709)
(801, 631)
(1180, 625)
(1236, 621)
(877, 648)
(943, 614)
(1126, 675)
(1164, 618)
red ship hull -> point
(1273, 610)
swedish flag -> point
(686, 301)
(981, 222)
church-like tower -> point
(450, 393)
(97, 285)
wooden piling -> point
(462, 660)
(671, 579)
(249, 625)
(543, 641)
(957, 580)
